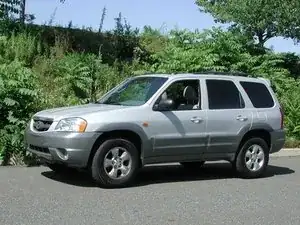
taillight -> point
(281, 117)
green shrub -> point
(18, 101)
(291, 105)
(74, 79)
(22, 47)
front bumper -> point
(72, 149)
(277, 140)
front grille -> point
(42, 124)
(39, 149)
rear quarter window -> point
(258, 94)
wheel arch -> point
(257, 132)
(130, 132)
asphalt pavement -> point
(161, 195)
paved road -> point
(162, 195)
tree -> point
(210, 50)
(16, 7)
(8, 6)
(261, 19)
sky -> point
(162, 14)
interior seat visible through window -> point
(191, 98)
(184, 93)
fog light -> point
(62, 153)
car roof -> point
(208, 75)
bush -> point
(291, 105)
(74, 79)
(22, 47)
(18, 101)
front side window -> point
(134, 92)
(184, 93)
(223, 94)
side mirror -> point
(164, 105)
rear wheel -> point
(252, 159)
(115, 163)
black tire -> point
(192, 165)
(97, 168)
(240, 162)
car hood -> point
(76, 111)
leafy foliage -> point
(9, 6)
(85, 75)
(291, 104)
(262, 19)
(18, 100)
(194, 52)
(22, 48)
(13, 8)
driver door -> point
(181, 130)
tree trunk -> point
(22, 11)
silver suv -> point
(158, 118)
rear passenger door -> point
(227, 115)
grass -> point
(292, 143)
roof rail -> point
(202, 72)
(223, 73)
(149, 73)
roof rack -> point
(202, 72)
(223, 73)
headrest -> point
(189, 93)
(164, 96)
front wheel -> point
(252, 159)
(115, 163)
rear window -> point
(258, 94)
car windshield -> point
(134, 92)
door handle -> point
(196, 119)
(241, 118)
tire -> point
(192, 165)
(100, 174)
(261, 159)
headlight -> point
(71, 124)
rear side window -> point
(223, 94)
(258, 94)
